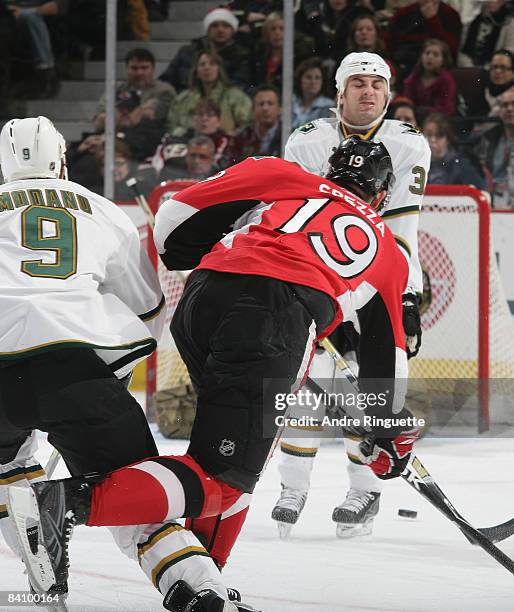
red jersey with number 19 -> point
(268, 217)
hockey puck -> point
(407, 513)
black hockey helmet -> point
(363, 164)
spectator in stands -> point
(32, 33)
(125, 167)
(431, 85)
(491, 30)
(365, 35)
(263, 136)
(206, 122)
(81, 159)
(500, 78)
(329, 22)
(447, 166)
(309, 101)
(198, 162)
(497, 151)
(415, 23)
(154, 95)
(467, 9)
(220, 26)
(267, 57)
(251, 15)
(208, 80)
(403, 109)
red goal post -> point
(467, 329)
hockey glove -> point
(387, 457)
(411, 324)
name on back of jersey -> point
(51, 198)
(362, 207)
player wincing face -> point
(363, 100)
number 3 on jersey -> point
(53, 230)
(355, 258)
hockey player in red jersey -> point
(281, 257)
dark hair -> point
(266, 87)
(443, 126)
(506, 53)
(194, 81)
(202, 141)
(141, 54)
(434, 42)
(379, 44)
(399, 102)
(305, 66)
(207, 105)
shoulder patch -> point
(307, 127)
(407, 128)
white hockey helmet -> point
(31, 148)
(365, 63)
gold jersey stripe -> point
(175, 558)
(290, 449)
(23, 476)
(142, 549)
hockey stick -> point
(497, 533)
(420, 479)
(141, 200)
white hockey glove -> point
(411, 324)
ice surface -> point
(405, 566)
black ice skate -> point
(354, 517)
(44, 516)
(287, 510)
(182, 598)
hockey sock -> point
(157, 490)
(219, 533)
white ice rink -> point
(405, 566)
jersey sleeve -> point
(194, 220)
(131, 277)
(412, 156)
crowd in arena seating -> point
(218, 100)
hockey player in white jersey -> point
(363, 95)
(81, 305)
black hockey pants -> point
(89, 415)
(244, 338)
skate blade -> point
(284, 530)
(22, 508)
(352, 530)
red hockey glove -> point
(388, 458)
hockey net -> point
(468, 331)
(165, 369)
